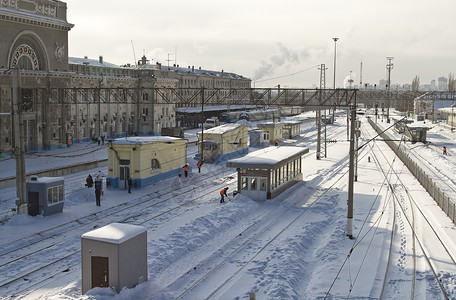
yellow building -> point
(223, 142)
(273, 130)
(146, 159)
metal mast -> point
(361, 74)
(322, 69)
(389, 67)
(335, 39)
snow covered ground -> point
(292, 247)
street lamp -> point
(335, 39)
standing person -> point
(444, 150)
(99, 140)
(130, 183)
(276, 142)
(199, 166)
(223, 194)
(186, 170)
(102, 139)
(97, 196)
(89, 181)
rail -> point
(433, 188)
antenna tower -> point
(389, 67)
(361, 74)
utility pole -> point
(19, 150)
(335, 39)
(389, 67)
(322, 69)
(351, 173)
(361, 74)
(357, 135)
(318, 117)
(202, 126)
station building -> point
(258, 138)
(146, 159)
(266, 173)
(223, 142)
(62, 99)
(273, 130)
(291, 129)
(416, 132)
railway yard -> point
(292, 247)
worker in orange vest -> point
(223, 194)
(276, 142)
(199, 166)
(186, 170)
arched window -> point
(155, 164)
(25, 58)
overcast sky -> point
(274, 42)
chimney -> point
(100, 59)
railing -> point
(432, 187)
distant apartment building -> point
(442, 83)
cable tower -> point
(321, 144)
(389, 67)
(361, 74)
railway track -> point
(250, 244)
(144, 210)
(412, 223)
(42, 244)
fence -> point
(429, 183)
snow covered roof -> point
(270, 124)
(142, 140)
(290, 123)
(197, 109)
(418, 125)
(46, 179)
(267, 158)
(450, 110)
(196, 72)
(223, 128)
(91, 62)
(212, 141)
(115, 233)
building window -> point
(253, 183)
(210, 147)
(155, 164)
(25, 58)
(244, 184)
(55, 194)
